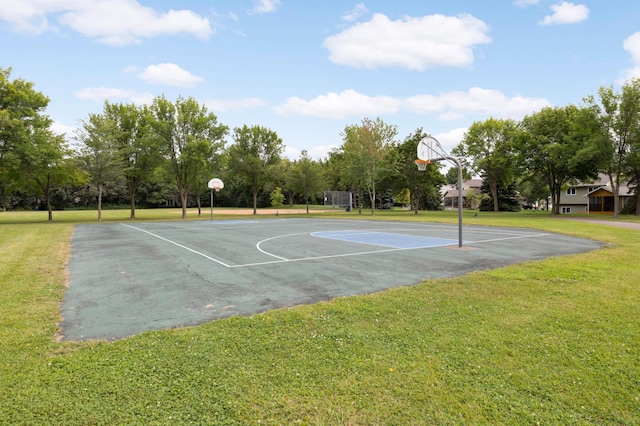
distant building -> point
(450, 192)
(592, 198)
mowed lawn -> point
(546, 342)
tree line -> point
(560, 146)
(165, 153)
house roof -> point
(452, 193)
(447, 190)
(623, 190)
(602, 180)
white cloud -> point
(101, 94)
(291, 153)
(456, 104)
(345, 104)
(234, 105)
(356, 13)
(446, 106)
(27, 16)
(632, 45)
(265, 6)
(566, 13)
(115, 22)
(60, 129)
(169, 74)
(414, 43)
(130, 69)
(450, 139)
(317, 152)
(321, 151)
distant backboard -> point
(216, 184)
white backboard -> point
(425, 149)
(216, 184)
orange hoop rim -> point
(419, 161)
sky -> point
(306, 69)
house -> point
(592, 198)
(601, 199)
(450, 192)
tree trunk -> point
(372, 197)
(199, 205)
(306, 197)
(50, 212)
(132, 198)
(493, 187)
(615, 189)
(100, 186)
(255, 202)
(183, 201)
(359, 200)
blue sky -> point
(308, 68)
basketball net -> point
(422, 164)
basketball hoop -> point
(422, 164)
(216, 184)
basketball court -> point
(127, 278)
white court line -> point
(218, 227)
(349, 232)
(273, 238)
(177, 244)
(507, 238)
(333, 256)
(285, 260)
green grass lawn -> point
(546, 342)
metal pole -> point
(444, 156)
(455, 160)
(212, 204)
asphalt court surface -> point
(127, 278)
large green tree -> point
(365, 151)
(619, 115)
(423, 185)
(45, 163)
(21, 117)
(488, 150)
(562, 145)
(98, 155)
(138, 150)
(253, 157)
(306, 177)
(633, 167)
(187, 134)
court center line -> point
(179, 245)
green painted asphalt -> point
(129, 278)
